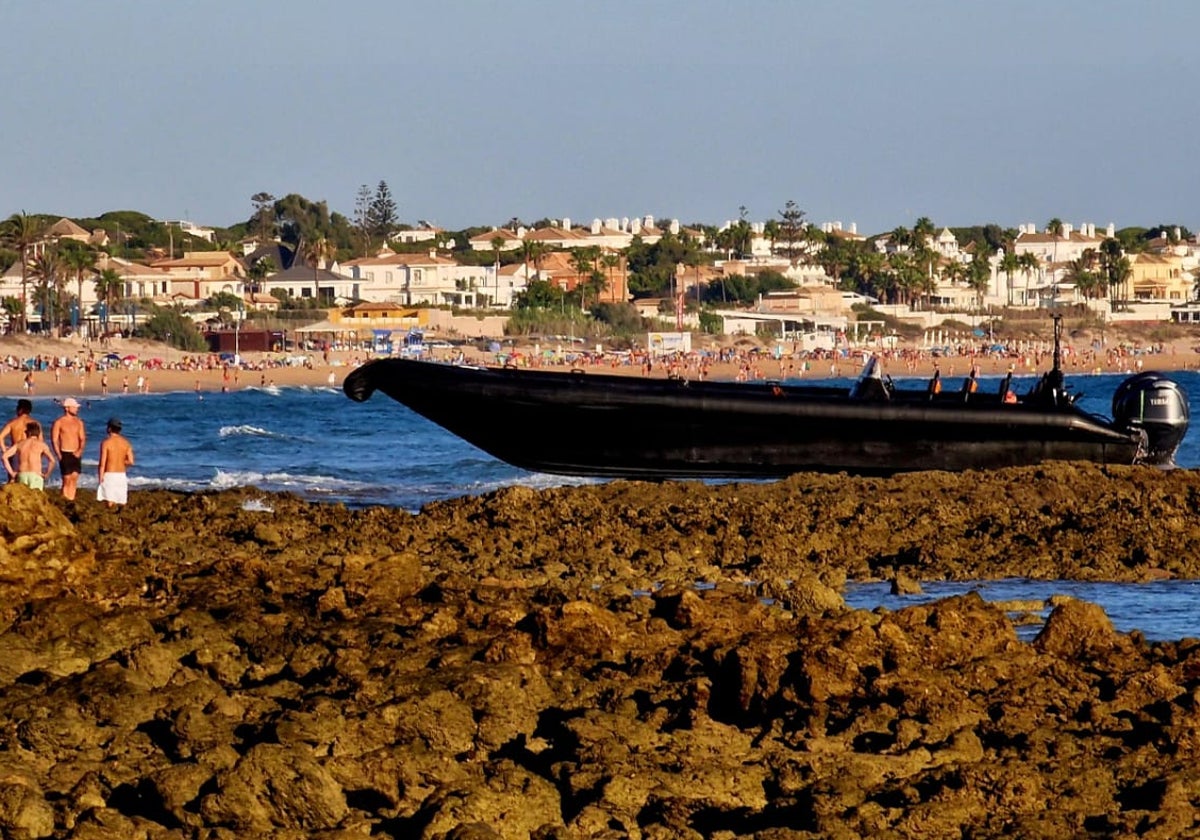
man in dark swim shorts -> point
(69, 437)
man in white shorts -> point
(115, 455)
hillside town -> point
(424, 274)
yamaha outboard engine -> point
(1159, 407)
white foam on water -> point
(320, 484)
(246, 429)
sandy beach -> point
(181, 371)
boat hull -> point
(618, 426)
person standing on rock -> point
(14, 430)
(29, 455)
(116, 454)
(69, 437)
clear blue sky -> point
(875, 112)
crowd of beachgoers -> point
(60, 366)
(778, 362)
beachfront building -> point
(1160, 277)
(427, 280)
(138, 280)
(563, 269)
(1056, 251)
(306, 282)
(199, 275)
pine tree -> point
(264, 210)
(382, 212)
(792, 230)
(362, 218)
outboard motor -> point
(1158, 406)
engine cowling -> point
(1158, 406)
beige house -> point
(1160, 277)
(509, 240)
(201, 274)
(137, 279)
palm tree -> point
(46, 270)
(610, 261)
(979, 275)
(868, 266)
(78, 261)
(1009, 264)
(1121, 274)
(583, 261)
(925, 257)
(922, 232)
(257, 272)
(108, 286)
(535, 251)
(497, 243)
(1054, 227)
(1029, 264)
(1111, 256)
(316, 252)
(22, 232)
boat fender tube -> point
(359, 385)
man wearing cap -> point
(115, 455)
(68, 436)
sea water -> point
(318, 444)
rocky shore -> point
(239, 665)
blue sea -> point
(318, 444)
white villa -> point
(603, 233)
(429, 279)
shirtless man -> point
(115, 455)
(14, 430)
(29, 454)
(68, 436)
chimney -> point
(1110, 231)
(1067, 228)
(837, 225)
(624, 223)
(854, 228)
(566, 223)
(595, 225)
(648, 221)
(1177, 235)
(674, 227)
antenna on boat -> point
(1057, 341)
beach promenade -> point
(165, 369)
